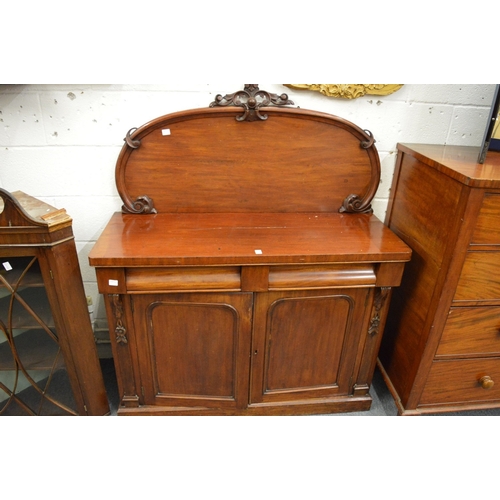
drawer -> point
(458, 381)
(480, 277)
(168, 279)
(487, 230)
(317, 277)
(472, 332)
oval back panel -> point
(205, 160)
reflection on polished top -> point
(459, 162)
(252, 238)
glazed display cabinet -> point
(48, 358)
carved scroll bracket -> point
(143, 205)
(133, 143)
(370, 140)
(353, 204)
(251, 99)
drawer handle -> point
(486, 382)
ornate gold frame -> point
(347, 90)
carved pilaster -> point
(120, 330)
(380, 298)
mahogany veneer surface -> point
(246, 274)
(440, 349)
(193, 239)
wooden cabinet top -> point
(458, 162)
(236, 238)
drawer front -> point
(471, 331)
(314, 277)
(487, 230)
(459, 381)
(251, 278)
(182, 279)
(480, 277)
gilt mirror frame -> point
(347, 90)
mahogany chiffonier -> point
(441, 349)
(246, 274)
(48, 357)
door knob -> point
(486, 382)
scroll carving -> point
(133, 143)
(143, 205)
(370, 141)
(353, 204)
(120, 330)
(251, 99)
(380, 298)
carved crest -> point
(251, 99)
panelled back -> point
(206, 161)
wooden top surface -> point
(459, 162)
(236, 239)
(18, 209)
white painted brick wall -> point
(60, 142)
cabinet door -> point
(33, 375)
(48, 358)
(194, 348)
(306, 343)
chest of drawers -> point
(441, 350)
